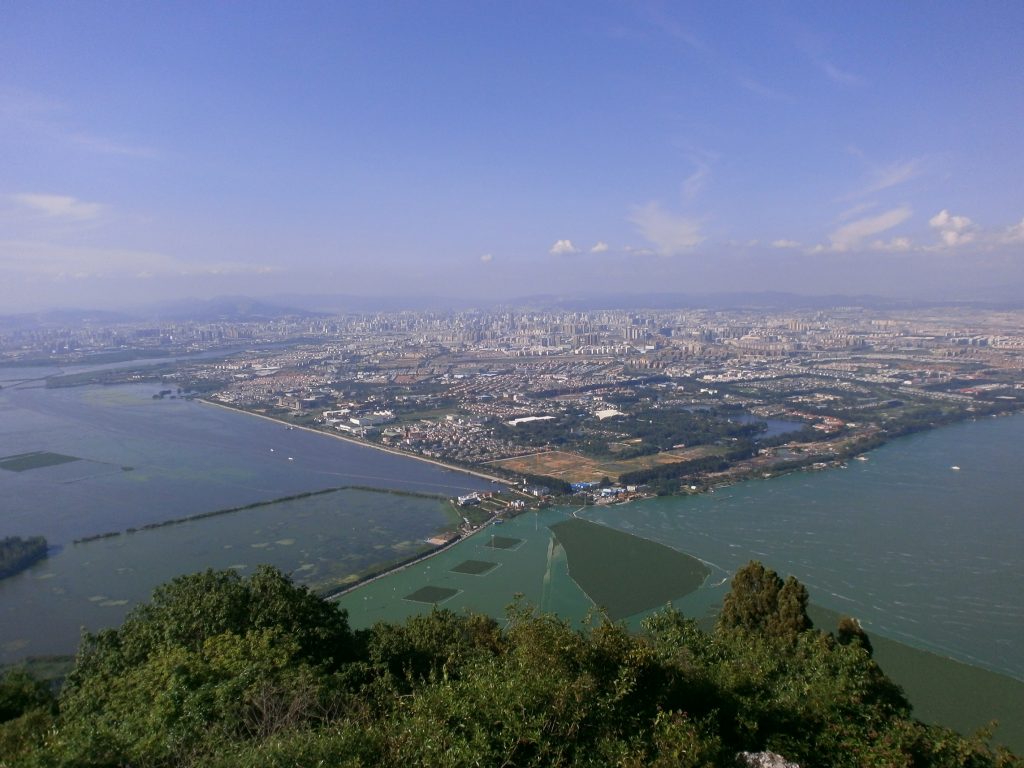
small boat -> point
(290, 459)
(955, 468)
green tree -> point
(27, 707)
(790, 618)
(213, 656)
(20, 692)
(759, 601)
(850, 632)
(222, 672)
(430, 647)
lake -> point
(920, 552)
(322, 541)
(144, 460)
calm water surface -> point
(918, 551)
(185, 457)
(322, 541)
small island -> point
(17, 554)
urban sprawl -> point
(602, 406)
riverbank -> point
(364, 443)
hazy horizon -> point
(155, 153)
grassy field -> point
(625, 574)
(577, 468)
(35, 460)
(571, 467)
(616, 468)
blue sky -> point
(162, 150)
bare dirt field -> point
(577, 468)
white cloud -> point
(636, 251)
(103, 146)
(1013, 233)
(487, 258)
(856, 210)
(599, 247)
(695, 182)
(59, 206)
(882, 177)
(757, 88)
(840, 76)
(953, 230)
(674, 29)
(892, 175)
(785, 244)
(562, 247)
(851, 235)
(44, 117)
(895, 245)
(670, 233)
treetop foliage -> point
(759, 601)
(228, 672)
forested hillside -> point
(222, 671)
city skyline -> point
(156, 152)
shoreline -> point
(407, 564)
(365, 444)
(726, 481)
(574, 513)
(400, 566)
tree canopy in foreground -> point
(222, 671)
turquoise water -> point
(536, 569)
(920, 552)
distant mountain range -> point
(227, 309)
(222, 308)
(759, 300)
(246, 308)
(339, 304)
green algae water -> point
(930, 558)
(922, 553)
(527, 560)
